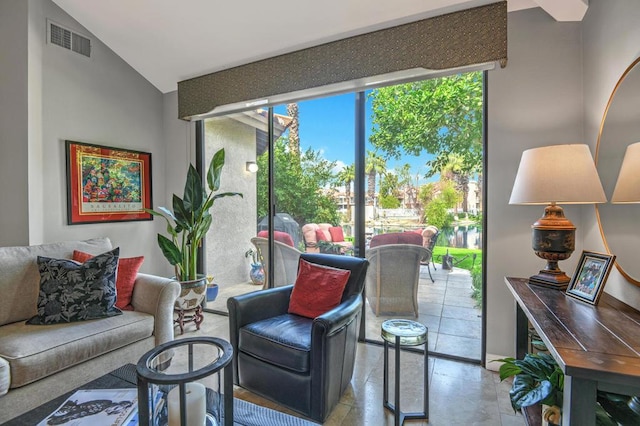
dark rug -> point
(248, 414)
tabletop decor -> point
(590, 277)
(553, 175)
(107, 184)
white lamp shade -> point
(628, 185)
(563, 174)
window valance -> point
(459, 39)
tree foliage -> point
(441, 116)
(438, 199)
(298, 185)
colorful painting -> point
(588, 281)
(107, 184)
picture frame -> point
(590, 277)
(106, 184)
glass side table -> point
(401, 332)
(179, 383)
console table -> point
(597, 347)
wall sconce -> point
(555, 174)
(627, 189)
(252, 166)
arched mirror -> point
(619, 128)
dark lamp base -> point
(551, 279)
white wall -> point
(610, 36)
(535, 101)
(14, 220)
(99, 100)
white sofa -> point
(40, 362)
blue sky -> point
(327, 125)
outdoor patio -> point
(445, 306)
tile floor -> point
(445, 307)
(460, 393)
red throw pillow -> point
(337, 236)
(127, 271)
(320, 235)
(317, 290)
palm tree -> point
(454, 172)
(294, 135)
(345, 177)
(374, 165)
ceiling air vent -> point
(69, 40)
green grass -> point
(462, 258)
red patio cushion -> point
(280, 236)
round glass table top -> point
(411, 333)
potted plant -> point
(537, 379)
(189, 223)
(257, 271)
(212, 289)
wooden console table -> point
(597, 347)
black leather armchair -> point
(301, 363)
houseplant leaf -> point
(525, 391)
(170, 250)
(215, 170)
(193, 191)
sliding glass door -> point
(416, 150)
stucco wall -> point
(234, 218)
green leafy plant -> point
(253, 254)
(537, 379)
(191, 218)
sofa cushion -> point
(320, 236)
(127, 271)
(20, 278)
(325, 229)
(34, 352)
(70, 291)
(317, 289)
(336, 234)
(284, 340)
(309, 233)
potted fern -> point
(189, 223)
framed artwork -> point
(591, 274)
(107, 184)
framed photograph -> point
(107, 184)
(591, 274)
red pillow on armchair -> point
(317, 289)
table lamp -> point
(551, 175)
(627, 188)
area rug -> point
(249, 414)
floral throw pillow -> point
(71, 292)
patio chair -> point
(429, 239)
(392, 278)
(285, 261)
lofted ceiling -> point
(168, 41)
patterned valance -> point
(459, 39)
